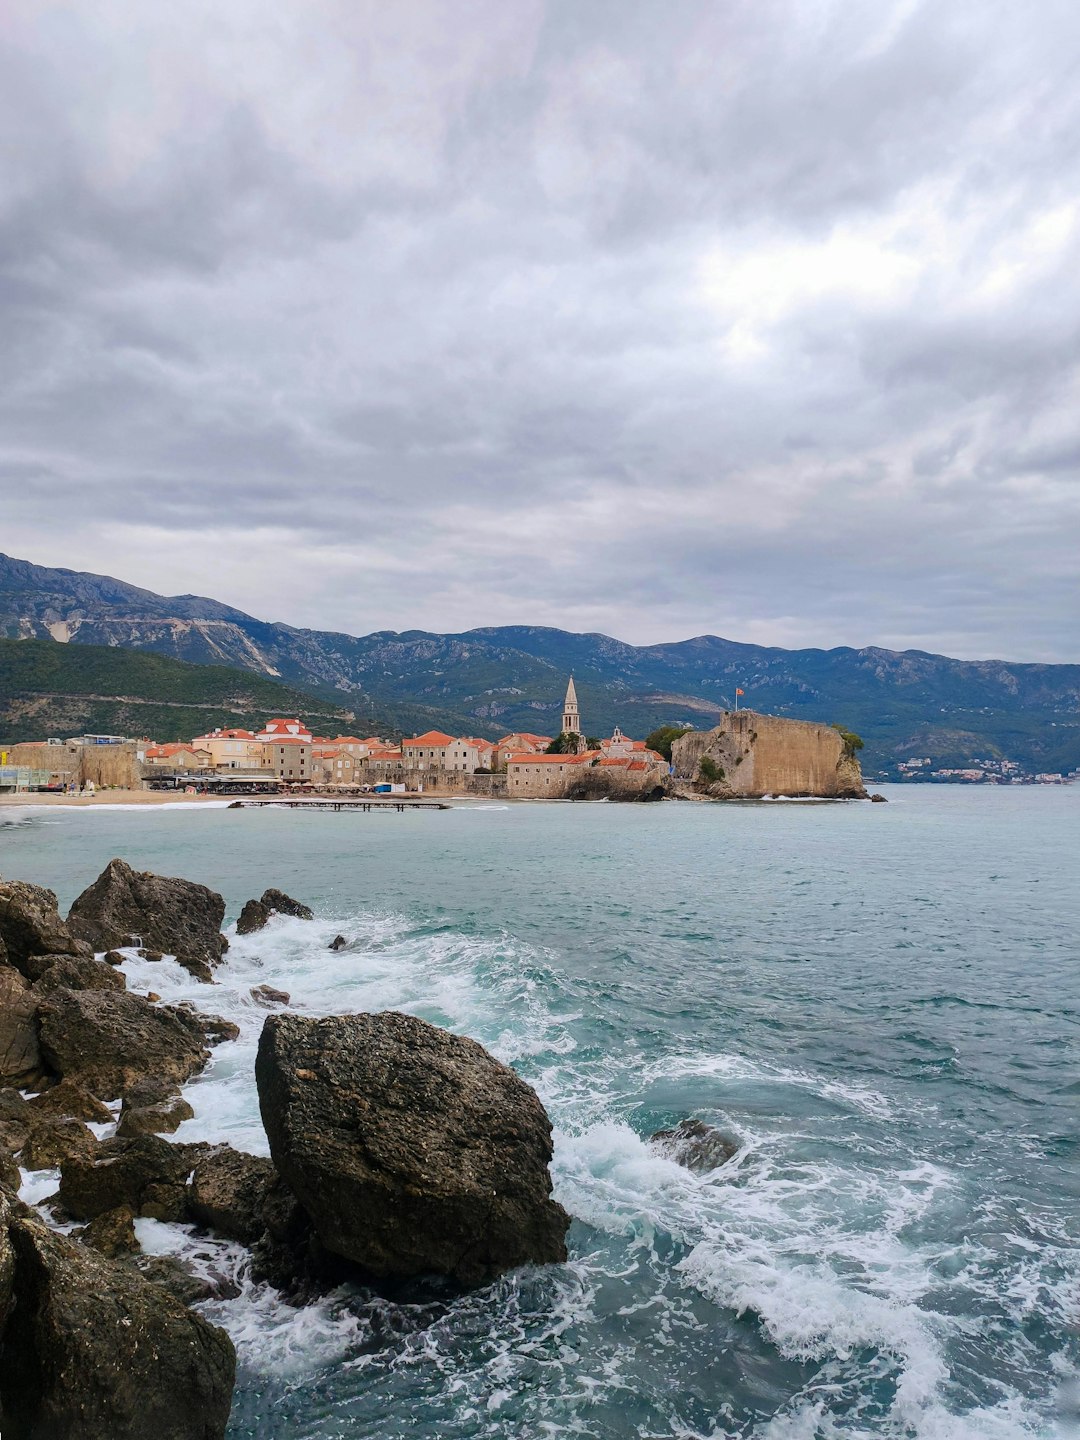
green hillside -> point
(49, 689)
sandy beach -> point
(110, 797)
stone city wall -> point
(766, 755)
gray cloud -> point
(756, 318)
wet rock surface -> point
(161, 913)
(413, 1151)
(71, 1100)
(267, 995)
(696, 1145)
(107, 1041)
(229, 1191)
(256, 913)
(100, 1352)
(111, 1234)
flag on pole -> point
(740, 692)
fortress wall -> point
(767, 755)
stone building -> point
(751, 755)
(571, 720)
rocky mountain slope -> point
(491, 680)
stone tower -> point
(571, 722)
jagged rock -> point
(21, 1061)
(7, 1265)
(113, 957)
(111, 1234)
(879, 799)
(282, 904)
(180, 1281)
(338, 943)
(30, 924)
(10, 1178)
(72, 1101)
(253, 917)
(99, 1351)
(256, 913)
(107, 1041)
(153, 955)
(147, 1174)
(229, 1191)
(16, 1119)
(152, 995)
(53, 1141)
(213, 1029)
(413, 1151)
(129, 907)
(73, 972)
(696, 1145)
(160, 1115)
(267, 995)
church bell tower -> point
(571, 722)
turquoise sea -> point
(881, 1003)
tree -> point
(662, 738)
(852, 742)
(710, 771)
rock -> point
(74, 972)
(7, 1262)
(30, 924)
(256, 913)
(99, 1351)
(179, 1280)
(228, 1193)
(113, 957)
(70, 1100)
(338, 943)
(111, 1234)
(160, 1116)
(128, 907)
(213, 1029)
(51, 1142)
(21, 1062)
(879, 799)
(106, 1042)
(153, 955)
(147, 1174)
(16, 1119)
(253, 917)
(413, 1151)
(153, 996)
(267, 995)
(696, 1145)
(282, 904)
(10, 1179)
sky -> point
(758, 318)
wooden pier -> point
(370, 803)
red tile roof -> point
(433, 740)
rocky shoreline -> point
(398, 1152)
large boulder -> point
(147, 1174)
(99, 1351)
(696, 1145)
(131, 907)
(30, 924)
(51, 1142)
(413, 1151)
(21, 1064)
(107, 1041)
(68, 1100)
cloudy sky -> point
(752, 317)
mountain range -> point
(497, 679)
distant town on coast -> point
(171, 681)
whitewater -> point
(879, 1004)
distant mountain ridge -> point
(499, 678)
